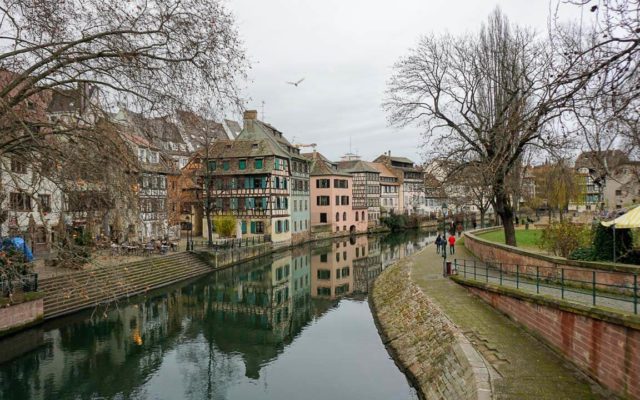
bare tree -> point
(483, 100)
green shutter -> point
(244, 227)
(242, 164)
(247, 183)
(284, 182)
(258, 164)
(263, 182)
(264, 203)
(253, 226)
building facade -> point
(366, 187)
(389, 190)
(411, 178)
(332, 202)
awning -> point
(626, 221)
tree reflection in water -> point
(196, 340)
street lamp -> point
(445, 209)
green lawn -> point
(526, 239)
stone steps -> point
(84, 289)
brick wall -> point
(550, 267)
(20, 314)
(437, 358)
(606, 351)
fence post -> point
(500, 266)
(486, 271)
(537, 279)
(593, 285)
(562, 283)
(635, 292)
(517, 276)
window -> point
(41, 234)
(356, 216)
(323, 218)
(18, 166)
(286, 225)
(257, 163)
(618, 192)
(324, 273)
(323, 258)
(323, 183)
(20, 202)
(344, 200)
(212, 165)
(322, 200)
(345, 271)
(295, 205)
(278, 226)
(242, 164)
(225, 165)
(324, 291)
(45, 202)
(306, 205)
(362, 216)
(337, 217)
(257, 227)
(243, 228)
(344, 216)
(337, 257)
(295, 225)
(337, 273)
(341, 183)
(337, 200)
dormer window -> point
(254, 146)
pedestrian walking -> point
(438, 243)
(452, 243)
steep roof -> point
(321, 166)
(278, 143)
(384, 171)
(197, 131)
(356, 166)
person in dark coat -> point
(438, 243)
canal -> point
(292, 325)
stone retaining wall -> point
(430, 349)
(21, 315)
(604, 345)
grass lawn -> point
(526, 239)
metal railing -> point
(223, 244)
(27, 282)
(611, 289)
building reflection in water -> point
(224, 326)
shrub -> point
(563, 238)
(225, 226)
(395, 222)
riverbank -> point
(522, 367)
(438, 359)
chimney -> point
(249, 117)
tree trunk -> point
(482, 219)
(505, 210)
(209, 226)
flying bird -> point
(295, 83)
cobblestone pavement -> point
(576, 295)
(523, 367)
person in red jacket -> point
(452, 243)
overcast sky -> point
(345, 50)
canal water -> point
(295, 325)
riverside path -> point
(522, 367)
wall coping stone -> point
(598, 265)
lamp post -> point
(445, 209)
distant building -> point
(333, 208)
(389, 190)
(412, 194)
(622, 190)
(366, 186)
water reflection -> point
(219, 336)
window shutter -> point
(253, 226)
(244, 227)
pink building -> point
(331, 199)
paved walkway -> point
(523, 367)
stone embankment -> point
(437, 358)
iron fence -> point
(612, 289)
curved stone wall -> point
(426, 345)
